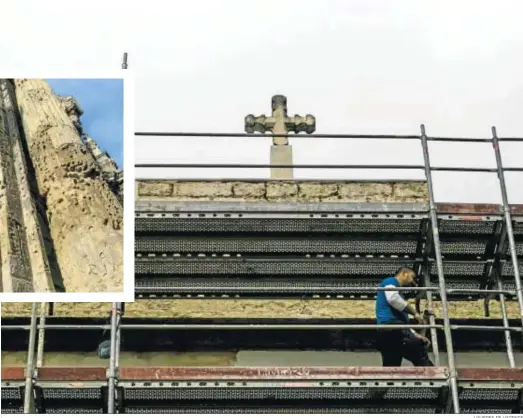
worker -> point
(392, 309)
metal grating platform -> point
(273, 245)
(320, 224)
(74, 411)
(240, 266)
(71, 397)
(273, 389)
(277, 410)
(310, 244)
(221, 249)
(12, 399)
(273, 288)
(279, 393)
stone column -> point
(24, 264)
(85, 216)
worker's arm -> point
(421, 337)
(395, 300)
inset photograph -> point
(61, 185)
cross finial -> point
(280, 124)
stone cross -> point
(280, 124)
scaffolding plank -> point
(276, 245)
(277, 410)
(282, 373)
(243, 266)
(287, 287)
(491, 374)
(277, 225)
(469, 208)
(384, 245)
(69, 374)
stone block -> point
(411, 190)
(282, 191)
(316, 190)
(155, 189)
(365, 191)
(250, 190)
(209, 190)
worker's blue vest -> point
(386, 314)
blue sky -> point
(102, 103)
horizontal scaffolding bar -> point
(271, 135)
(326, 136)
(486, 328)
(294, 180)
(303, 166)
(454, 139)
(322, 166)
(338, 289)
(229, 326)
(511, 139)
(266, 327)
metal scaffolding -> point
(158, 268)
(195, 270)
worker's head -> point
(406, 277)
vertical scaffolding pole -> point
(112, 360)
(508, 221)
(41, 336)
(508, 338)
(439, 264)
(114, 355)
(119, 307)
(28, 394)
(432, 322)
(495, 273)
(425, 271)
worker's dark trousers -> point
(395, 345)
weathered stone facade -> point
(282, 191)
(61, 214)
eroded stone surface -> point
(70, 215)
(283, 191)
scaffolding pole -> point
(508, 337)
(29, 371)
(41, 335)
(495, 272)
(112, 361)
(508, 221)
(428, 283)
(453, 380)
(119, 307)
